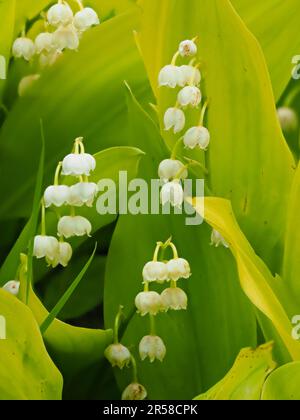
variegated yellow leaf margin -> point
(255, 277)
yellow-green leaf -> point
(283, 384)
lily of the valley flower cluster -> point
(150, 303)
(187, 77)
(64, 30)
(78, 164)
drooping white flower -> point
(188, 48)
(190, 96)
(85, 18)
(44, 42)
(26, 83)
(197, 137)
(148, 303)
(48, 59)
(60, 14)
(118, 355)
(169, 76)
(69, 226)
(174, 118)
(56, 195)
(174, 298)
(188, 75)
(83, 193)
(288, 119)
(23, 48)
(170, 168)
(217, 239)
(78, 164)
(153, 347)
(12, 286)
(45, 247)
(66, 37)
(63, 256)
(134, 392)
(155, 271)
(178, 268)
(173, 193)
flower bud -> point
(187, 48)
(155, 271)
(169, 76)
(174, 118)
(78, 164)
(173, 193)
(118, 355)
(69, 226)
(44, 42)
(173, 298)
(134, 392)
(85, 18)
(153, 347)
(197, 137)
(56, 195)
(217, 239)
(23, 48)
(190, 95)
(148, 303)
(63, 256)
(83, 193)
(45, 246)
(12, 287)
(170, 168)
(66, 37)
(178, 268)
(26, 83)
(288, 119)
(60, 14)
(188, 75)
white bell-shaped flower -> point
(173, 193)
(197, 137)
(48, 59)
(188, 48)
(45, 247)
(69, 226)
(169, 76)
(44, 42)
(174, 118)
(188, 75)
(63, 256)
(78, 164)
(66, 37)
(12, 287)
(153, 347)
(174, 298)
(288, 119)
(148, 303)
(134, 392)
(23, 48)
(190, 96)
(217, 239)
(118, 355)
(85, 19)
(26, 83)
(170, 168)
(60, 14)
(155, 271)
(56, 195)
(83, 193)
(178, 268)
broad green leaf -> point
(88, 103)
(280, 41)
(256, 280)
(7, 17)
(246, 378)
(27, 372)
(66, 296)
(248, 159)
(201, 342)
(283, 384)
